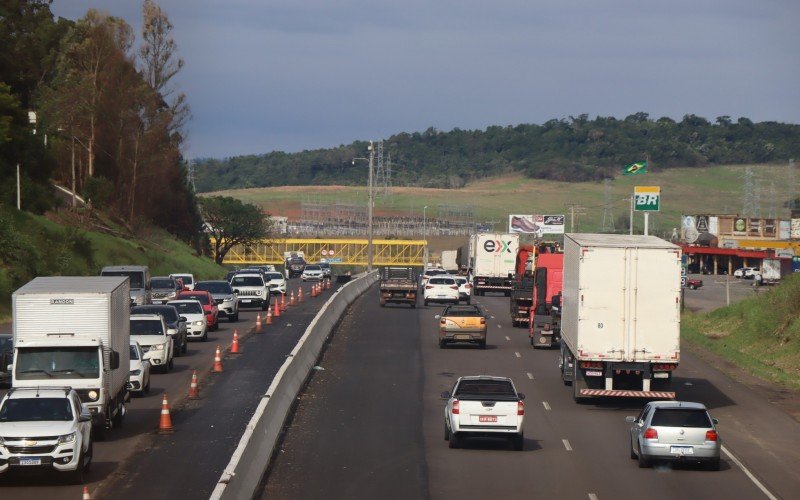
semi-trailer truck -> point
(492, 258)
(620, 323)
(75, 332)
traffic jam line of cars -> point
(83, 345)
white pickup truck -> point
(483, 406)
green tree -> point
(232, 222)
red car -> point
(209, 306)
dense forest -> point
(574, 149)
(84, 104)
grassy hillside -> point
(684, 190)
(32, 245)
(760, 334)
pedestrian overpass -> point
(351, 252)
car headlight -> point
(228, 299)
(136, 373)
(171, 331)
(258, 292)
(66, 438)
(93, 395)
(158, 347)
(198, 323)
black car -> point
(6, 357)
(176, 324)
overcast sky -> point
(289, 75)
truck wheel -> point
(455, 440)
(119, 417)
(576, 385)
(99, 432)
(426, 303)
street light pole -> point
(425, 235)
(369, 208)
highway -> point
(371, 424)
(136, 461)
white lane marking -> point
(491, 317)
(546, 405)
(530, 375)
(592, 496)
(566, 445)
(749, 474)
(517, 354)
(508, 338)
(499, 326)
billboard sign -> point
(522, 224)
(795, 231)
(536, 224)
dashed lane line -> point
(508, 338)
(530, 375)
(546, 405)
(567, 445)
(517, 354)
(592, 496)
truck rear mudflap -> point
(627, 394)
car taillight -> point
(428, 287)
(455, 407)
(467, 286)
(711, 435)
(454, 287)
(520, 408)
(591, 364)
(483, 321)
(650, 433)
(443, 321)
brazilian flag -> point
(640, 167)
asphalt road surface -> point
(371, 424)
(135, 461)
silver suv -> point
(45, 428)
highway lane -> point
(112, 459)
(571, 451)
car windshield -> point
(202, 298)
(134, 353)
(187, 278)
(189, 307)
(218, 287)
(36, 363)
(680, 417)
(442, 281)
(480, 388)
(313, 268)
(274, 276)
(324, 265)
(461, 281)
(462, 311)
(146, 327)
(36, 410)
(169, 313)
(434, 272)
(162, 283)
(247, 281)
(136, 277)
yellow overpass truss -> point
(337, 252)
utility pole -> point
(631, 219)
(369, 208)
(574, 210)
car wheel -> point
(204, 338)
(233, 318)
(692, 287)
(519, 442)
(146, 388)
(442, 344)
(482, 344)
(713, 464)
(89, 455)
(171, 364)
(633, 453)
(185, 348)
(446, 433)
(77, 476)
(454, 441)
(643, 462)
(264, 306)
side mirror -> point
(630, 419)
(716, 421)
(114, 359)
(236, 291)
(183, 319)
(85, 416)
(445, 395)
(521, 396)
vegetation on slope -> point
(760, 334)
(574, 149)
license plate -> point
(681, 450)
(594, 373)
(245, 300)
(487, 418)
(30, 461)
(463, 337)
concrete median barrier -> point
(250, 460)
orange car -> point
(209, 306)
(465, 323)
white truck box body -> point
(621, 298)
(449, 262)
(493, 254)
(87, 310)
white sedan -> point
(441, 289)
(196, 322)
(139, 377)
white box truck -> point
(492, 258)
(450, 261)
(620, 321)
(75, 331)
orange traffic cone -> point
(86, 495)
(217, 362)
(235, 344)
(258, 321)
(165, 425)
(269, 316)
(330, 284)
(313, 291)
(283, 302)
(277, 309)
(300, 294)
(194, 392)
(291, 299)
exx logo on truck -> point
(497, 246)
